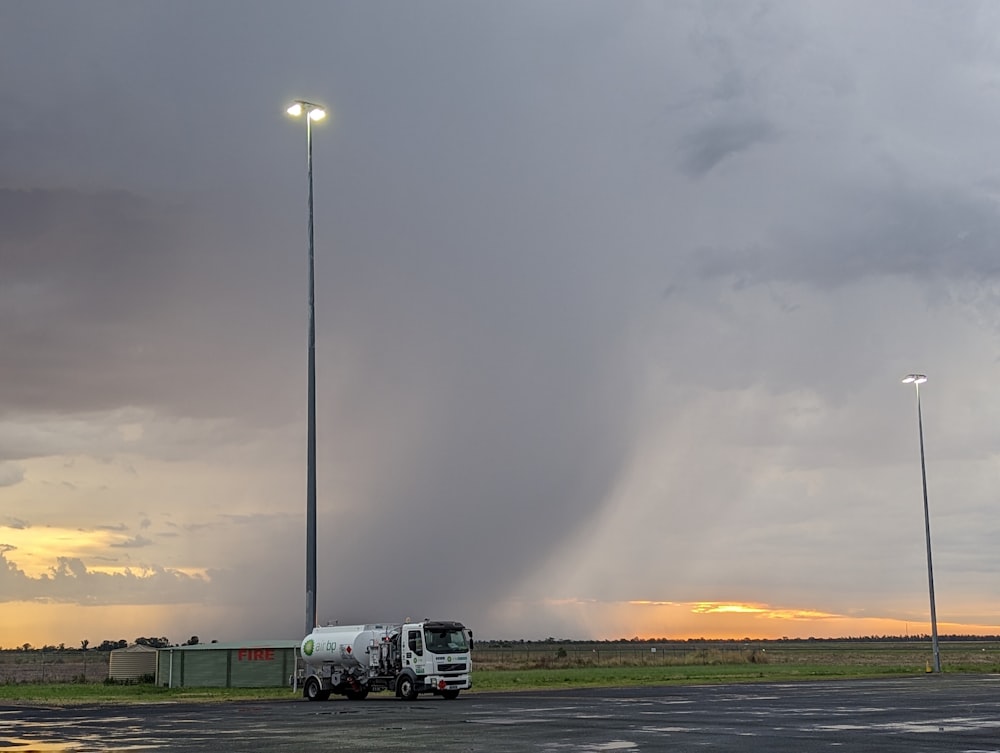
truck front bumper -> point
(446, 682)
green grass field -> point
(484, 680)
(548, 666)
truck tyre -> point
(405, 687)
(313, 690)
(449, 695)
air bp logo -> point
(307, 647)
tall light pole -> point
(916, 380)
(312, 112)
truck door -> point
(413, 648)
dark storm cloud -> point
(501, 192)
(471, 321)
(113, 299)
(86, 276)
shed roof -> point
(137, 648)
(283, 643)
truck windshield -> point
(446, 641)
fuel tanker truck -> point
(407, 658)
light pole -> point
(916, 380)
(312, 112)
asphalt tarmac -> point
(954, 713)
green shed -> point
(259, 664)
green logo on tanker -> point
(307, 647)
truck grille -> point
(451, 667)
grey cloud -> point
(17, 523)
(704, 149)
(136, 542)
(11, 474)
(918, 233)
(248, 519)
(86, 253)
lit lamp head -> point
(312, 110)
(915, 379)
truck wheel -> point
(406, 688)
(449, 695)
(314, 691)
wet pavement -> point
(958, 714)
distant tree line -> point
(108, 645)
(497, 643)
(164, 642)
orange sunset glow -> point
(735, 620)
(39, 622)
(37, 549)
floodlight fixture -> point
(312, 110)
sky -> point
(613, 301)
